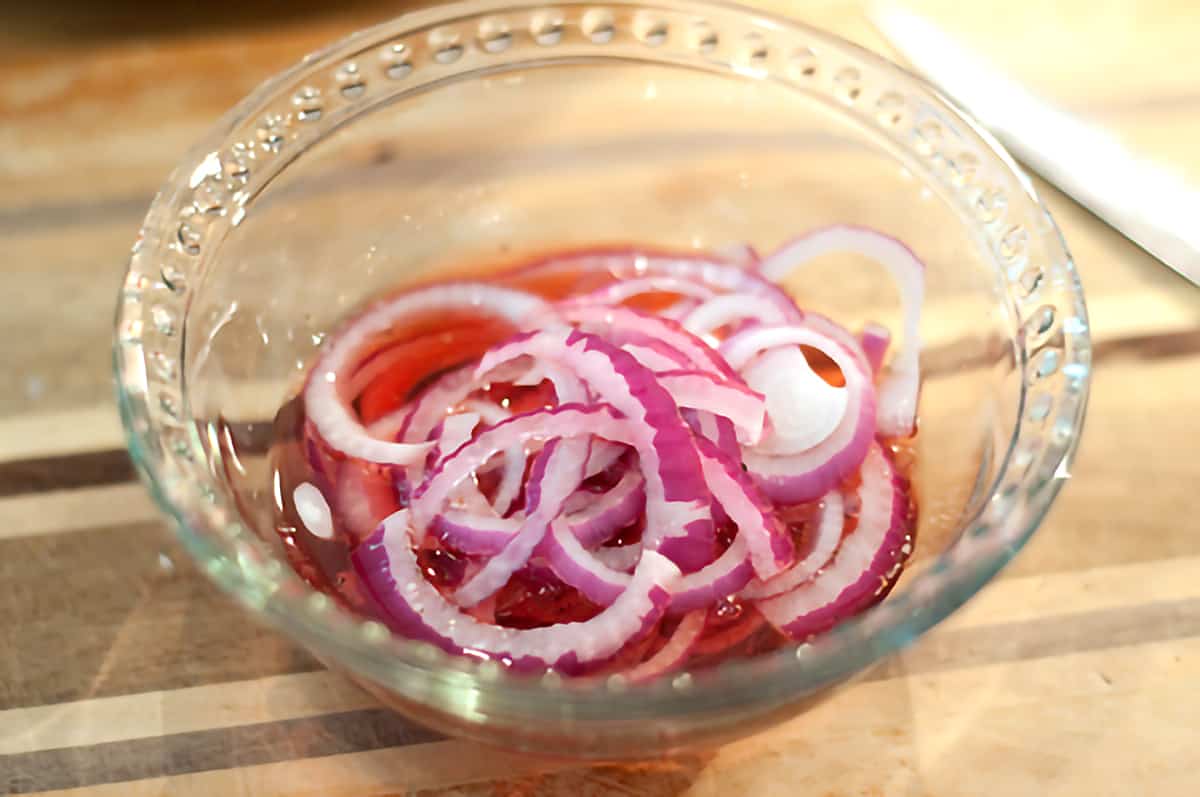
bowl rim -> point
(1003, 525)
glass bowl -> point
(484, 130)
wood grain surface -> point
(123, 671)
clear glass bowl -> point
(472, 132)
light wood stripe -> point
(868, 737)
(65, 511)
(1125, 590)
(1063, 726)
(173, 711)
(61, 433)
(1026, 598)
(376, 772)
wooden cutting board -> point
(124, 672)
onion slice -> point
(623, 325)
(724, 398)
(678, 521)
(675, 652)
(732, 308)
(898, 390)
(864, 564)
(827, 531)
(556, 472)
(328, 408)
(415, 609)
(809, 474)
(875, 340)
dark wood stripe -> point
(122, 210)
(1047, 637)
(112, 466)
(103, 467)
(371, 729)
(198, 751)
(1161, 346)
(43, 474)
(113, 611)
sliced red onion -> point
(727, 575)
(566, 421)
(739, 254)
(838, 334)
(451, 433)
(628, 264)
(483, 533)
(475, 533)
(875, 339)
(624, 325)
(733, 308)
(579, 568)
(415, 609)
(657, 356)
(719, 640)
(675, 652)
(678, 522)
(717, 429)
(455, 432)
(827, 532)
(362, 498)
(488, 412)
(898, 390)
(568, 388)
(433, 404)
(699, 390)
(623, 558)
(761, 543)
(864, 564)
(509, 486)
(726, 278)
(768, 544)
(603, 456)
(373, 367)
(679, 310)
(809, 474)
(617, 507)
(623, 291)
(804, 409)
(556, 472)
(324, 398)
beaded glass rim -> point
(215, 186)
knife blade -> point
(1151, 206)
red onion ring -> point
(675, 652)
(619, 292)
(809, 474)
(875, 340)
(732, 308)
(415, 609)
(628, 264)
(678, 522)
(657, 356)
(724, 398)
(865, 562)
(625, 325)
(898, 390)
(327, 407)
(665, 421)
(556, 472)
(828, 535)
(761, 545)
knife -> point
(1149, 205)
